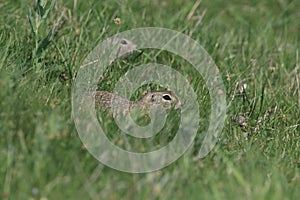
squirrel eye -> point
(167, 97)
(123, 42)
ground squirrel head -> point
(125, 46)
(165, 98)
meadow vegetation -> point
(255, 44)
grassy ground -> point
(254, 43)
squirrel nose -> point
(179, 104)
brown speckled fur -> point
(108, 100)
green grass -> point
(252, 42)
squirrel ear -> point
(152, 97)
(145, 92)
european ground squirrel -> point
(124, 47)
(107, 100)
